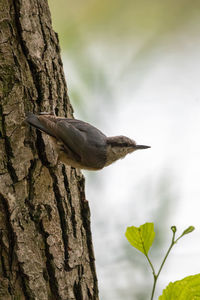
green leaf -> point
(185, 289)
(141, 237)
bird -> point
(81, 145)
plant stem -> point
(155, 276)
(170, 247)
(154, 286)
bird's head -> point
(120, 146)
(124, 143)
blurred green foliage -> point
(115, 37)
(118, 19)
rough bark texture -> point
(45, 240)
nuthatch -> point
(80, 144)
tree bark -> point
(46, 247)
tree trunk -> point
(46, 247)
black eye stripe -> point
(120, 144)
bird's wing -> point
(83, 126)
(70, 136)
(84, 140)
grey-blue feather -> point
(81, 141)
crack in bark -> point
(77, 291)
(25, 284)
(85, 212)
(53, 283)
(8, 149)
(11, 244)
(32, 66)
(65, 101)
(11, 236)
(69, 198)
(30, 180)
(2, 258)
(41, 149)
(90, 295)
(42, 30)
(33, 213)
(62, 216)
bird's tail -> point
(35, 122)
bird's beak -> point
(142, 147)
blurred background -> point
(133, 68)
